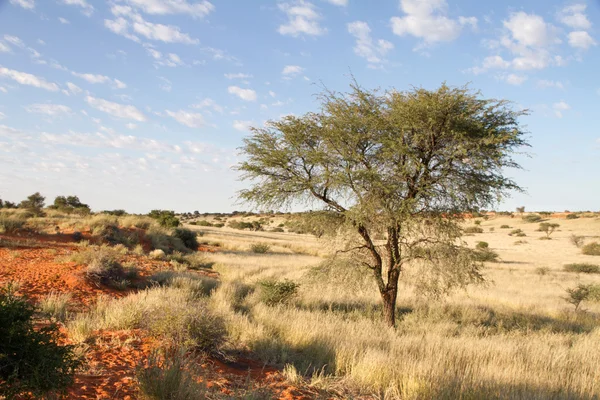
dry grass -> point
(516, 338)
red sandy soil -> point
(34, 261)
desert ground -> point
(516, 336)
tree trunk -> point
(389, 296)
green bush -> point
(260, 248)
(473, 229)
(273, 292)
(485, 254)
(517, 233)
(31, 361)
(188, 237)
(591, 249)
(165, 218)
(532, 218)
(203, 223)
(585, 268)
(482, 245)
(578, 295)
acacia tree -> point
(395, 171)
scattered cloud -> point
(365, 47)
(189, 119)
(198, 9)
(86, 8)
(242, 125)
(97, 78)
(574, 16)
(208, 103)
(52, 110)
(24, 78)
(559, 108)
(581, 40)
(238, 76)
(168, 60)
(26, 4)
(244, 94)
(4, 48)
(131, 125)
(543, 84)
(291, 71)
(303, 19)
(427, 20)
(272, 93)
(116, 109)
(63, 21)
(514, 79)
(341, 3)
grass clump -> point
(504, 227)
(485, 254)
(591, 249)
(10, 224)
(585, 268)
(260, 248)
(273, 292)
(103, 267)
(31, 361)
(55, 305)
(531, 218)
(473, 229)
(517, 233)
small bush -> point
(188, 237)
(591, 249)
(504, 227)
(157, 254)
(477, 222)
(55, 305)
(102, 263)
(274, 292)
(473, 229)
(517, 233)
(165, 218)
(31, 361)
(485, 254)
(260, 248)
(577, 240)
(10, 224)
(548, 228)
(542, 271)
(77, 236)
(518, 242)
(531, 218)
(585, 268)
(572, 216)
(578, 295)
(482, 245)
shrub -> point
(162, 238)
(585, 268)
(578, 295)
(77, 236)
(577, 240)
(591, 249)
(572, 216)
(157, 254)
(473, 229)
(203, 223)
(273, 292)
(168, 377)
(34, 203)
(520, 242)
(260, 248)
(188, 237)
(55, 305)
(492, 229)
(541, 271)
(102, 263)
(482, 245)
(504, 227)
(548, 228)
(485, 254)
(531, 218)
(517, 233)
(477, 222)
(31, 361)
(165, 218)
(10, 224)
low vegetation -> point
(585, 268)
(591, 249)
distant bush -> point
(188, 237)
(531, 218)
(165, 218)
(260, 248)
(273, 292)
(116, 213)
(34, 203)
(577, 240)
(482, 245)
(218, 225)
(504, 227)
(203, 223)
(572, 216)
(485, 254)
(253, 226)
(31, 361)
(277, 229)
(591, 249)
(473, 229)
(541, 271)
(548, 228)
(579, 294)
(585, 268)
(477, 222)
(10, 224)
(157, 254)
(517, 233)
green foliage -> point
(485, 254)
(532, 218)
(473, 229)
(517, 233)
(242, 225)
(188, 237)
(70, 204)
(260, 248)
(578, 295)
(31, 361)
(548, 228)
(116, 213)
(273, 292)
(10, 224)
(572, 216)
(477, 222)
(577, 240)
(585, 268)
(165, 218)
(102, 265)
(591, 249)
(33, 203)
(482, 245)
(203, 223)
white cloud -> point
(242, 125)
(574, 17)
(365, 47)
(427, 20)
(244, 94)
(471, 21)
(120, 26)
(24, 78)
(97, 78)
(581, 40)
(559, 108)
(290, 71)
(208, 103)
(192, 120)
(63, 20)
(198, 9)
(131, 125)
(2, 115)
(116, 109)
(543, 84)
(272, 93)
(238, 76)
(87, 9)
(303, 19)
(530, 30)
(4, 48)
(26, 4)
(513, 79)
(51, 110)
(341, 3)
(3, 89)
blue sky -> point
(142, 104)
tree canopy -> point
(396, 170)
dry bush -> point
(260, 248)
(591, 249)
(585, 268)
(10, 224)
(56, 305)
(577, 240)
